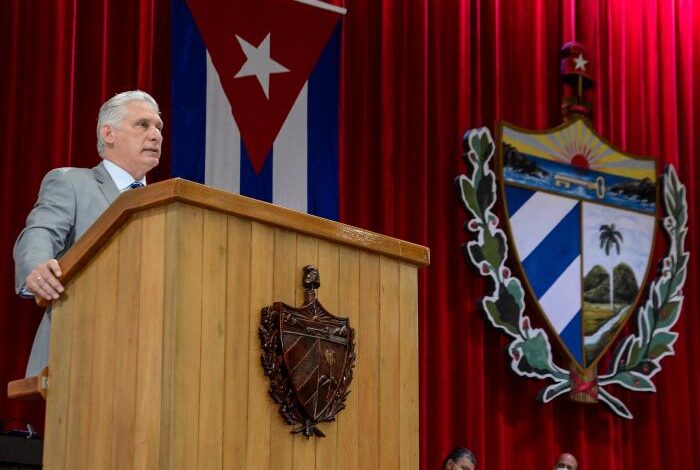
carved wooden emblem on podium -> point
(308, 355)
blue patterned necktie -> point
(136, 184)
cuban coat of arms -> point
(581, 221)
(309, 355)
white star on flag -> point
(259, 63)
(580, 62)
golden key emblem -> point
(564, 181)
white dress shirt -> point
(122, 179)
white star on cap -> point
(580, 62)
(259, 63)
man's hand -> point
(43, 281)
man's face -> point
(460, 464)
(566, 462)
(135, 143)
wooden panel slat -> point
(78, 420)
(306, 253)
(389, 344)
(262, 252)
(367, 371)
(172, 274)
(150, 342)
(106, 318)
(126, 337)
(328, 266)
(284, 290)
(238, 348)
(409, 391)
(349, 305)
(211, 402)
(187, 312)
(59, 374)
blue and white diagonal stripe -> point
(546, 231)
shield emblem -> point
(316, 353)
(582, 221)
(308, 355)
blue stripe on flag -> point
(189, 96)
(323, 131)
(555, 253)
(516, 197)
(572, 337)
(257, 186)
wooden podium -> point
(155, 356)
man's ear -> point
(107, 134)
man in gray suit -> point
(129, 141)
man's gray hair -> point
(112, 112)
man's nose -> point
(155, 134)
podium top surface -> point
(179, 190)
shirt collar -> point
(122, 179)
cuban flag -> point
(255, 99)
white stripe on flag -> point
(562, 301)
(324, 6)
(289, 164)
(536, 218)
(223, 140)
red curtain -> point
(415, 76)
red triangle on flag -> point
(263, 51)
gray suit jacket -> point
(70, 200)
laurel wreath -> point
(637, 357)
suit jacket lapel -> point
(106, 184)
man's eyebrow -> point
(157, 122)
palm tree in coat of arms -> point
(610, 238)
